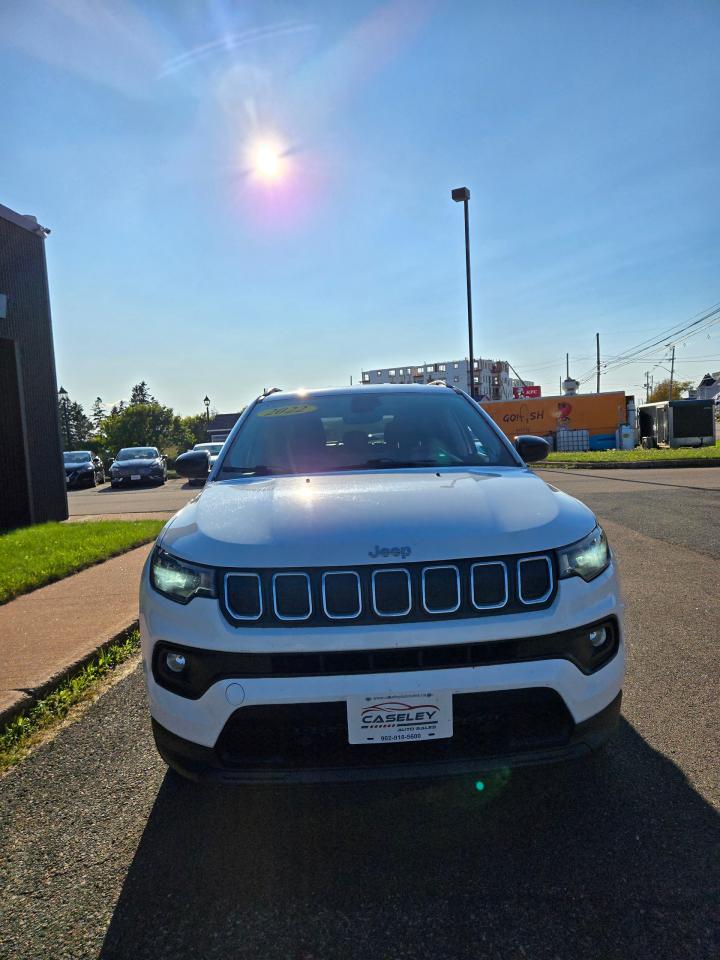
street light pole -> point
(463, 194)
(63, 398)
(206, 401)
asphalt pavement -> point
(104, 854)
(679, 506)
(104, 501)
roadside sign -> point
(526, 392)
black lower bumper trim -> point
(206, 667)
(197, 762)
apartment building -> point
(491, 378)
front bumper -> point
(142, 478)
(76, 479)
(197, 762)
(188, 731)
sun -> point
(267, 161)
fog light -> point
(598, 636)
(175, 661)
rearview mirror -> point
(193, 465)
(532, 449)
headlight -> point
(587, 558)
(178, 579)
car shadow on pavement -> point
(615, 856)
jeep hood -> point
(340, 519)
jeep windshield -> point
(363, 431)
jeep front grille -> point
(383, 594)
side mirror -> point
(532, 449)
(193, 465)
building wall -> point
(27, 323)
(492, 377)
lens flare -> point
(267, 161)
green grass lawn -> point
(630, 456)
(33, 556)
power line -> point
(678, 335)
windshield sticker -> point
(290, 411)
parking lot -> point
(141, 498)
(102, 853)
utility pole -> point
(672, 373)
(567, 366)
(597, 343)
(647, 386)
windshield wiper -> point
(388, 463)
(260, 470)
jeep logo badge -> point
(378, 551)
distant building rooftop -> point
(221, 424)
(25, 221)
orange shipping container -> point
(600, 413)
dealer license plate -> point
(400, 717)
(134, 476)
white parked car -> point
(212, 449)
(374, 585)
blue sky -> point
(588, 133)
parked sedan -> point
(83, 468)
(137, 465)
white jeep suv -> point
(372, 584)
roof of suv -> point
(303, 394)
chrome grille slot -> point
(292, 597)
(489, 585)
(391, 592)
(535, 579)
(341, 595)
(243, 596)
(441, 588)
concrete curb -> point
(31, 696)
(627, 464)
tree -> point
(81, 427)
(662, 390)
(75, 428)
(197, 425)
(98, 413)
(141, 394)
(145, 424)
